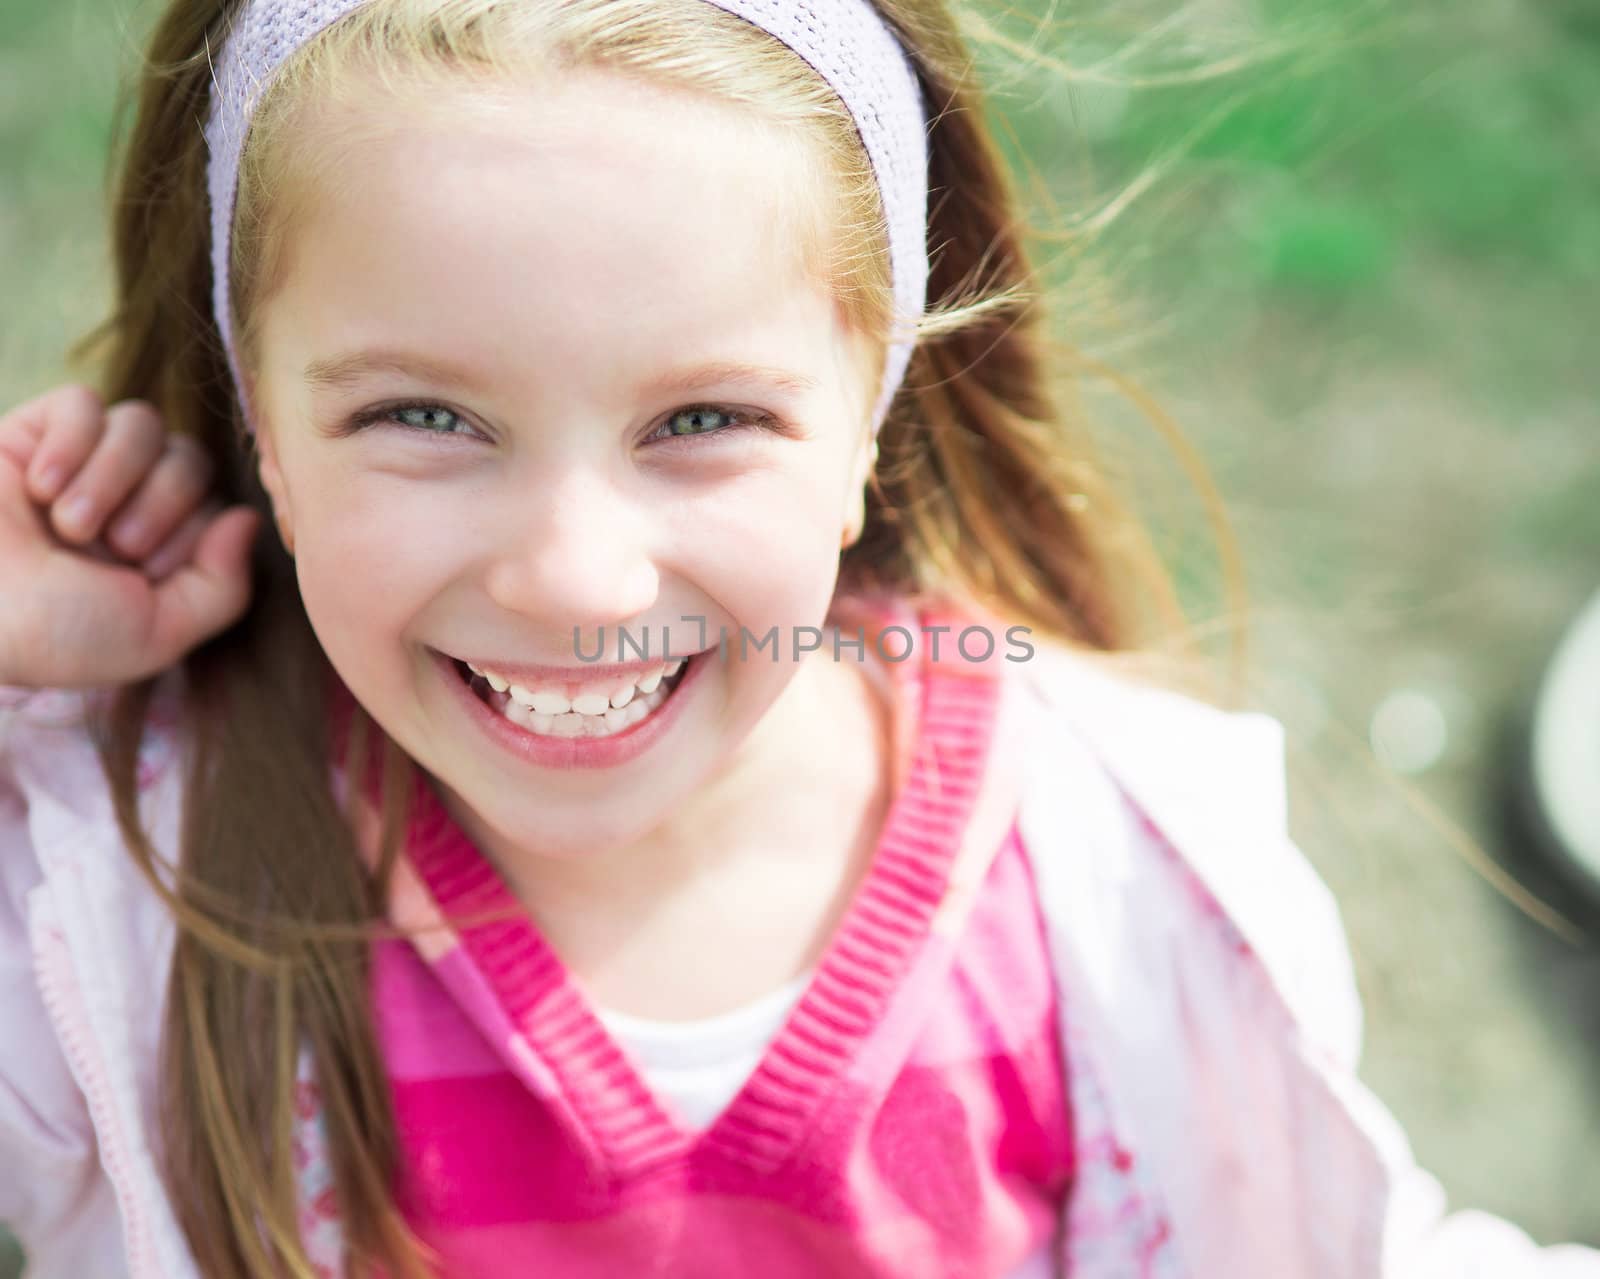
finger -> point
(21, 430)
(207, 594)
(128, 447)
(173, 489)
(179, 547)
(49, 437)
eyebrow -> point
(729, 373)
(342, 371)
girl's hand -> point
(113, 565)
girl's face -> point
(553, 365)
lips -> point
(568, 753)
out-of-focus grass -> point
(1377, 188)
(1461, 137)
(60, 63)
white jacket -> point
(1205, 981)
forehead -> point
(591, 209)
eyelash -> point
(740, 421)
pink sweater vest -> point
(909, 1119)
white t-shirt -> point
(698, 1067)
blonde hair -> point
(987, 494)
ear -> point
(272, 475)
(866, 459)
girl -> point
(551, 854)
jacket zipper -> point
(63, 1002)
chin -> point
(579, 831)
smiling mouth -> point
(516, 705)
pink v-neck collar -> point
(943, 716)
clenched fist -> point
(113, 563)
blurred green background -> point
(1360, 270)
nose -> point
(576, 553)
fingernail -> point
(48, 479)
(129, 533)
(77, 512)
(161, 564)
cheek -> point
(366, 566)
(767, 549)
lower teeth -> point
(572, 724)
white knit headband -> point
(845, 41)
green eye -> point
(701, 421)
(431, 418)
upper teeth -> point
(593, 698)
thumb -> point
(207, 594)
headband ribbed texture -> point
(845, 41)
